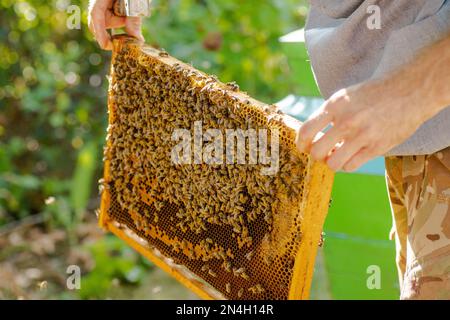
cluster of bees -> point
(149, 100)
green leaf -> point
(83, 178)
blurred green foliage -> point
(113, 261)
(53, 87)
(52, 110)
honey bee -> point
(212, 273)
(259, 288)
(42, 285)
(233, 86)
(268, 260)
(205, 267)
(227, 266)
(322, 239)
(298, 236)
(245, 276)
(176, 247)
(249, 255)
(238, 271)
(252, 290)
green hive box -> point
(294, 47)
(357, 227)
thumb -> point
(133, 26)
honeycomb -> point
(225, 229)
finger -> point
(101, 35)
(113, 21)
(341, 155)
(360, 158)
(91, 27)
(133, 27)
(310, 128)
(322, 147)
(91, 23)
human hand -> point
(366, 121)
(101, 18)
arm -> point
(101, 18)
(371, 118)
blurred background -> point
(53, 121)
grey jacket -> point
(344, 51)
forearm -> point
(424, 84)
(371, 118)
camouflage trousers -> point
(419, 191)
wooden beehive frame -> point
(319, 185)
